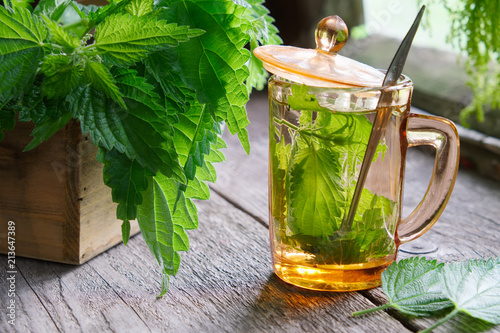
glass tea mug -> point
(322, 107)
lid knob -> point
(331, 34)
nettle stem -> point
(363, 312)
(443, 320)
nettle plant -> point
(152, 82)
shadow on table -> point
(283, 305)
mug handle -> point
(442, 134)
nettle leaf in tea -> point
(319, 173)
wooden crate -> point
(55, 195)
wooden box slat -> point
(55, 195)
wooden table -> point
(226, 283)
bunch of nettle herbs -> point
(151, 82)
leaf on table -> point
(412, 286)
(123, 39)
(474, 288)
(21, 41)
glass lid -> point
(322, 66)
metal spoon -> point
(381, 120)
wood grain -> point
(33, 193)
(55, 195)
(29, 311)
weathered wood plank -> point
(28, 311)
(76, 298)
(56, 196)
(226, 284)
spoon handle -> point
(381, 119)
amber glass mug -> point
(318, 138)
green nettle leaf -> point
(160, 68)
(214, 64)
(127, 179)
(314, 192)
(46, 128)
(98, 14)
(33, 108)
(140, 7)
(21, 41)
(197, 188)
(100, 77)
(137, 89)
(125, 232)
(183, 210)
(262, 32)
(69, 42)
(137, 132)
(53, 9)
(423, 288)
(194, 135)
(412, 286)
(157, 228)
(26, 4)
(62, 82)
(474, 288)
(123, 39)
(163, 228)
(47, 115)
(53, 63)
